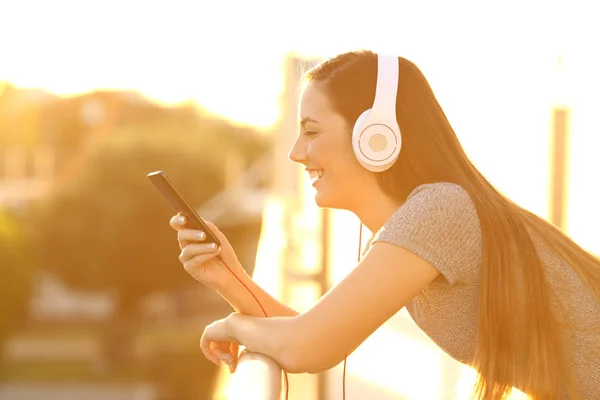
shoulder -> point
(440, 195)
(441, 204)
(439, 223)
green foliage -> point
(17, 274)
(108, 227)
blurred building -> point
(25, 166)
(45, 139)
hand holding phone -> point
(217, 275)
(180, 206)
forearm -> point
(291, 342)
(239, 297)
(273, 337)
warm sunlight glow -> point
(267, 268)
(180, 51)
(267, 273)
(389, 370)
(583, 193)
(497, 76)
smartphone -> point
(179, 205)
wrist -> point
(231, 288)
(232, 322)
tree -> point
(108, 227)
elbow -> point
(305, 350)
(305, 359)
(289, 358)
(295, 362)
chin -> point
(324, 201)
(321, 200)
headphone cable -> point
(346, 356)
(287, 388)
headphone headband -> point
(379, 122)
(387, 86)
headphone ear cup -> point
(359, 126)
(372, 159)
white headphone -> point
(376, 138)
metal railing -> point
(256, 377)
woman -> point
(495, 286)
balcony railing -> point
(256, 377)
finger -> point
(216, 231)
(186, 236)
(192, 266)
(219, 346)
(192, 251)
(205, 347)
(222, 350)
(226, 353)
(177, 222)
(234, 349)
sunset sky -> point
(227, 55)
(494, 68)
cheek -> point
(323, 154)
(348, 177)
(337, 158)
(351, 167)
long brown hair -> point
(432, 153)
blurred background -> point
(94, 95)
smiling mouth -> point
(315, 174)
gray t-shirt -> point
(439, 223)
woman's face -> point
(324, 147)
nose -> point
(298, 152)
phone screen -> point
(179, 205)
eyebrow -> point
(305, 120)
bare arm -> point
(243, 302)
(200, 260)
(385, 280)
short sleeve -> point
(439, 223)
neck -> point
(375, 212)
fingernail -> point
(201, 235)
(181, 220)
(227, 358)
(212, 246)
